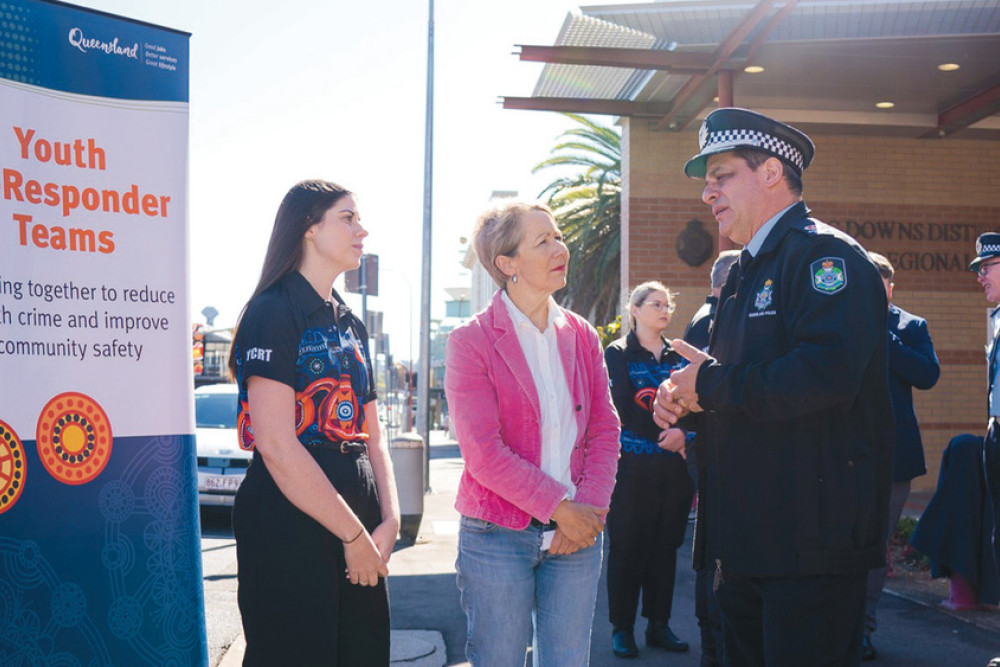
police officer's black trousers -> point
(792, 621)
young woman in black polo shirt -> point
(653, 492)
(316, 518)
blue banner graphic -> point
(77, 50)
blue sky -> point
(336, 90)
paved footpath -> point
(429, 626)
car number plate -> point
(222, 482)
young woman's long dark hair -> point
(304, 205)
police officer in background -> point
(798, 430)
(912, 363)
(699, 328)
(697, 333)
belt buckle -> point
(347, 447)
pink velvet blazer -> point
(495, 410)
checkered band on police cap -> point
(987, 245)
(730, 128)
(987, 248)
(729, 139)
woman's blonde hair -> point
(641, 292)
(498, 232)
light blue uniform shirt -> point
(995, 385)
(761, 235)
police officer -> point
(957, 529)
(988, 275)
(799, 428)
(698, 328)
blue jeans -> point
(513, 594)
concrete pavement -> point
(429, 626)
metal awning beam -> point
(727, 47)
(970, 110)
(585, 106)
(647, 59)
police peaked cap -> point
(987, 245)
(729, 128)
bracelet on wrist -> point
(353, 539)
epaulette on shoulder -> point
(813, 227)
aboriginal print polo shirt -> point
(319, 348)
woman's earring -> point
(513, 278)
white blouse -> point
(541, 350)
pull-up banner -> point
(99, 541)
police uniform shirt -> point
(319, 348)
(993, 366)
(754, 246)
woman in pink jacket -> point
(528, 392)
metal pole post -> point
(423, 416)
(363, 288)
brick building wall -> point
(922, 203)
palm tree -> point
(588, 208)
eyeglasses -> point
(985, 268)
(658, 305)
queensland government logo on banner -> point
(82, 42)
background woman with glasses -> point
(652, 497)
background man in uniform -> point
(985, 266)
(697, 329)
(957, 529)
(912, 363)
(798, 432)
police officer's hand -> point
(682, 384)
(673, 440)
(364, 563)
(666, 410)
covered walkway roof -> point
(828, 65)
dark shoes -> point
(868, 652)
(623, 644)
(659, 636)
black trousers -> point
(991, 467)
(793, 621)
(646, 525)
(706, 608)
(297, 607)
(957, 527)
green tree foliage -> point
(588, 209)
(610, 332)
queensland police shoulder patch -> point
(829, 275)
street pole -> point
(363, 288)
(423, 405)
(409, 347)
